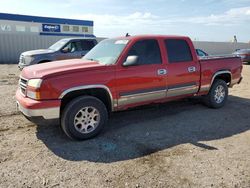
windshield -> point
(58, 45)
(107, 51)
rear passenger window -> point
(88, 44)
(148, 52)
(178, 50)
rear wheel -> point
(217, 95)
(84, 117)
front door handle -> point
(191, 69)
(161, 71)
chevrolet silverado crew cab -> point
(68, 48)
(121, 73)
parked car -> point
(201, 53)
(244, 54)
(68, 48)
(121, 73)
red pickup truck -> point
(122, 73)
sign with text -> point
(51, 28)
(5, 27)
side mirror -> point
(131, 60)
(65, 50)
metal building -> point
(19, 33)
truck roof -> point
(76, 38)
(153, 36)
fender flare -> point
(219, 73)
(98, 86)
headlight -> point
(35, 83)
(33, 91)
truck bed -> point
(229, 63)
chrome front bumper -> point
(46, 113)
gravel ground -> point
(177, 144)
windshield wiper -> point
(91, 59)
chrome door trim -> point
(204, 88)
(141, 97)
(183, 89)
(141, 91)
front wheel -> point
(217, 95)
(84, 117)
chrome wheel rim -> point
(87, 119)
(219, 94)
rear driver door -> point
(74, 51)
(183, 68)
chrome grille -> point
(23, 85)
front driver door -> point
(146, 80)
(72, 50)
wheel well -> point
(99, 93)
(225, 76)
(44, 61)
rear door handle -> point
(191, 69)
(161, 71)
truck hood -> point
(59, 67)
(37, 52)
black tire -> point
(71, 111)
(210, 100)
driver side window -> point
(148, 52)
(71, 47)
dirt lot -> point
(178, 144)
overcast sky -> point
(210, 20)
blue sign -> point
(51, 28)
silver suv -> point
(68, 48)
